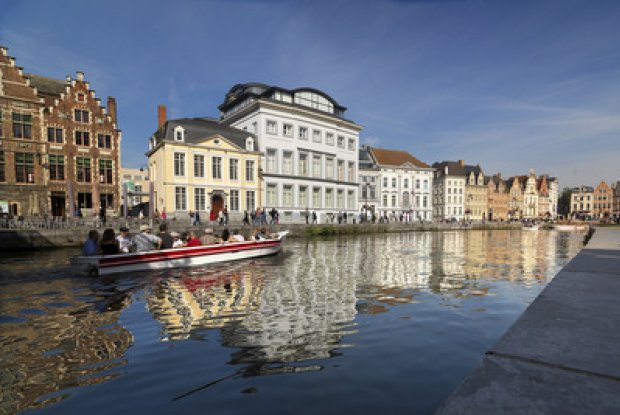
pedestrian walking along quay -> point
(563, 354)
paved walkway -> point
(563, 354)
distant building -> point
(615, 187)
(309, 150)
(603, 198)
(498, 196)
(581, 201)
(369, 180)
(476, 197)
(449, 190)
(137, 181)
(404, 183)
(198, 164)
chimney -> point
(161, 115)
(461, 163)
(112, 107)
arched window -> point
(179, 133)
(249, 144)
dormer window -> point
(249, 144)
(179, 134)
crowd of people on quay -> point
(111, 243)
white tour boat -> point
(180, 257)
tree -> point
(564, 202)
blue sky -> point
(511, 85)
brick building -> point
(602, 200)
(22, 178)
(60, 146)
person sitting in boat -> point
(208, 238)
(193, 239)
(144, 241)
(90, 246)
(236, 236)
(254, 234)
(224, 237)
(108, 244)
(176, 240)
(124, 243)
(166, 238)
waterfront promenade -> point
(68, 234)
(563, 354)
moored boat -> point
(571, 227)
(180, 257)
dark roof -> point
(475, 169)
(365, 160)
(47, 85)
(197, 129)
(240, 92)
(454, 168)
(394, 157)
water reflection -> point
(281, 315)
(56, 340)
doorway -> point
(217, 204)
(58, 203)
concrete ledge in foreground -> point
(563, 354)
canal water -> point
(369, 324)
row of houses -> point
(602, 201)
(272, 147)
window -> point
(272, 195)
(405, 199)
(393, 200)
(271, 127)
(56, 167)
(351, 199)
(329, 168)
(54, 135)
(351, 172)
(302, 168)
(2, 166)
(303, 196)
(249, 170)
(417, 183)
(216, 167)
(82, 138)
(385, 182)
(24, 167)
(352, 144)
(385, 200)
(426, 184)
(317, 137)
(234, 200)
(105, 171)
(316, 197)
(271, 161)
(83, 172)
(316, 166)
(179, 133)
(81, 115)
(180, 198)
(340, 141)
(417, 201)
(406, 183)
(303, 133)
(250, 200)
(233, 167)
(340, 198)
(287, 130)
(104, 141)
(85, 200)
(22, 125)
(329, 139)
(249, 143)
(393, 181)
(287, 193)
(329, 198)
(81, 98)
(199, 166)
(287, 162)
(179, 164)
(341, 170)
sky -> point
(509, 85)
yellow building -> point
(197, 164)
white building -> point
(449, 190)
(403, 184)
(310, 151)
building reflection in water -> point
(59, 336)
(300, 306)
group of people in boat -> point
(145, 241)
